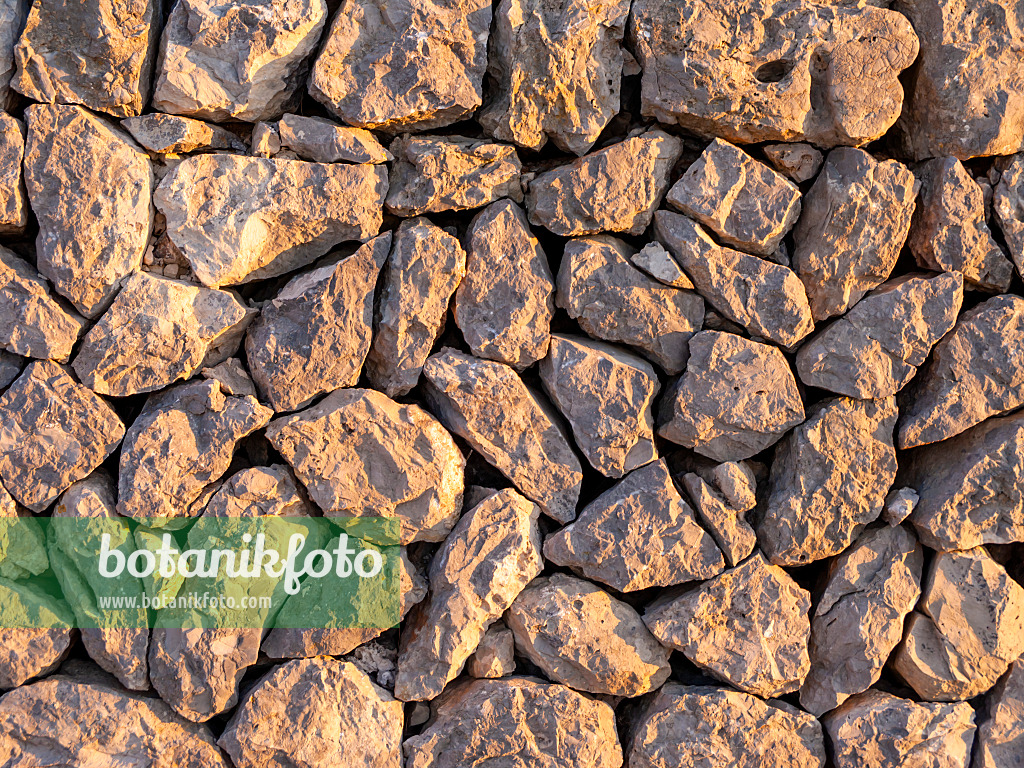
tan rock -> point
(1001, 734)
(13, 202)
(10, 368)
(722, 501)
(323, 141)
(232, 377)
(174, 134)
(655, 261)
(12, 20)
(800, 162)
(22, 541)
(36, 633)
(494, 657)
(899, 504)
(1008, 208)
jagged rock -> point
(584, 638)
(505, 302)
(53, 431)
(265, 140)
(360, 453)
(36, 633)
(1008, 208)
(874, 350)
(494, 657)
(721, 502)
(975, 371)
(489, 557)
(899, 505)
(828, 480)
(800, 162)
(744, 202)
(323, 141)
(736, 398)
(480, 720)
(22, 541)
(173, 134)
(747, 627)
(13, 203)
(232, 377)
(655, 261)
(879, 730)
(855, 220)
(10, 368)
(616, 189)
(222, 60)
(315, 712)
(488, 405)
(91, 189)
(614, 301)
(692, 726)
(965, 632)
(556, 70)
(773, 70)
(425, 267)
(97, 53)
(1001, 734)
(450, 173)
(314, 335)
(428, 63)
(158, 331)
(765, 298)
(238, 219)
(182, 441)
(12, 20)
(858, 621)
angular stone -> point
(91, 189)
(53, 431)
(721, 502)
(855, 220)
(616, 189)
(767, 299)
(736, 398)
(428, 63)
(875, 349)
(39, 648)
(655, 261)
(232, 377)
(494, 657)
(975, 371)
(323, 141)
(314, 335)
(360, 453)
(222, 60)
(488, 405)
(800, 162)
(13, 203)
(238, 219)
(1008, 208)
(12, 20)
(425, 267)
(1001, 734)
(478, 721)
(22, 541)
(614, 301)
(173, 134)
(858, 621)
(828, 480)
(747, 627)
(899, 505)
(490, 556)
(10, 368)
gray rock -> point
(10, 368)
(655, 261)
(173, 134)
(232, 377)
(13, 202)
(36, 634)
(899, 505)
(494, 657)
(800, 162)
(722, 501)
(12, 20)
(323, 141)
(1008, 208)
(1001, 734)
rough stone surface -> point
(12, 20)
(22, 541)
(800, 162)
(13, 203)
(173, 134)
(655, 261)
(1001, 734)
(1008, 208)
(899, 504)
(232, 377)
(494, 657)
(31, 651)
(323, 141)
(10, 368)
(722, 502)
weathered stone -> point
(879, 730)
(655, 261)
(91, 189)
(314, 335)
(1001, 734)
(10, 368)
(584, 638)
(265, 141)
(22, 541)
(232, 377)
(490, 556)
(360, 453)
(13, 203)
(616, 189)
(425, 267)
(238, 219)
(767, 299)
(965, 632)
(53, 431)
(488, 405)
(975, 371)
(480, 721)
(173, 134)
(428, 60)
(721, 502)
(736, 398)
(696, 726)
(773, 70)
(747, 626)
(858, 621)
(828, 480)
(323, 141)
(1008, 208)
(225, 60)
(12, 20)
(556, 70)
(505, 302)
(315, 712)
(855, 220)
(35, 636)
(800, 162)
(494, 657)
(614, 301)
(899, 505)
(874, 350)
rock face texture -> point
(1008, 208)
(13, 203)
(165, 134)
(722, 497)
(494, 657)
(1001, 736)
(41, 642)
(323, 141)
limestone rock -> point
(232, 377)
(1001, 734)
(39, 648)
(800, 162)
(855, 220)
(91, 189)
(616, 189)
(314, 335)
(747, 626)
(736, 398)
(490, 556)
(488, 405)
(53, 431)
(556, 69)
(721, 505)
(226, 60)
(323, 141)
(173, 134)
(238, 219)
(505, 302)
(1008, 208)
(899, 505)
(655, 261)
(13, 203)
(614, 301)
(494, 657)
(875, 349)
(12, 20)
(428, 63)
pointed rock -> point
(655, 261)
(494, 657)
(722, 501)
(324, 141)
(173, 134)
